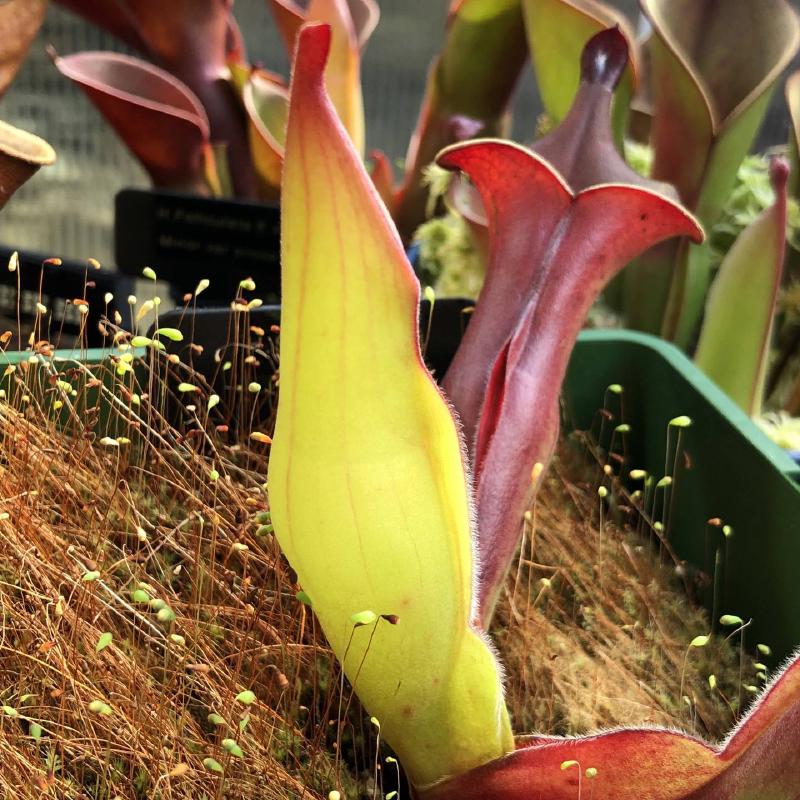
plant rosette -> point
(367, 474)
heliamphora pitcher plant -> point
(371, 485)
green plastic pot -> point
(88, 399)
(731, 471)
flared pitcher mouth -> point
(25, 146)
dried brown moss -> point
(125, 525)
(595, 627)
(132, 537)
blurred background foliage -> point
(68, 209)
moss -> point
(782, 428)
(448, 260)
(606, 643)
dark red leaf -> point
(553, 247)
(759, 761)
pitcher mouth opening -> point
(25, 146)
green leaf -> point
(216, 719)
(351, 25)
(266, 103)
(792, 93)
(472, 81)
(557, 33)
(710, 93)
(103, 642)
(736, 335)
(705, 88)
